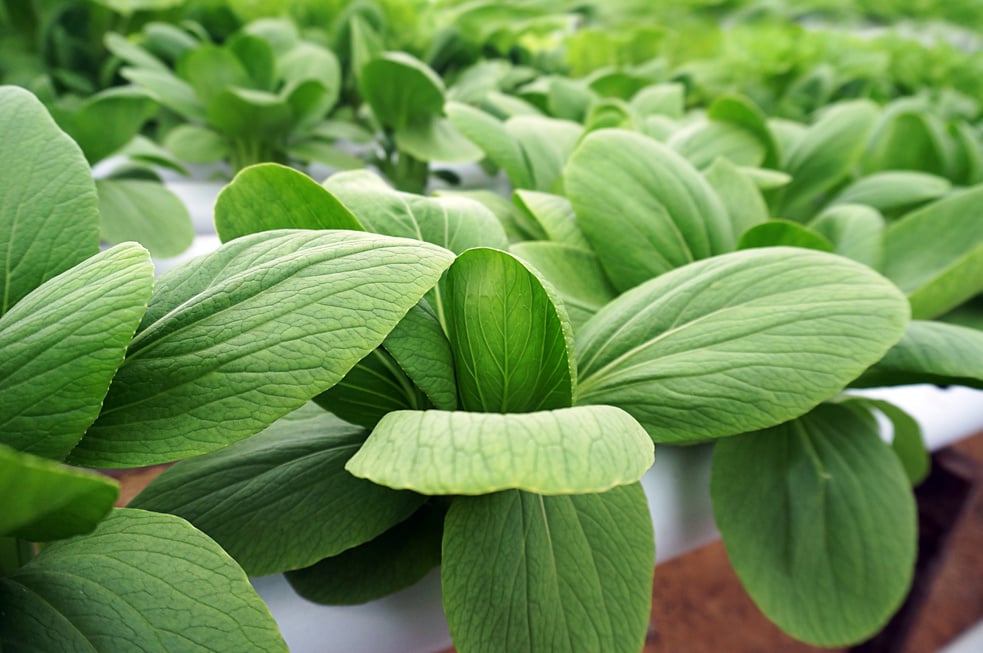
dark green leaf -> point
(775, 233)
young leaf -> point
(526, 573)
(644, 209)
(490, 134)
(546, 145)
(145, 212)
(248, 334)
(106, 590)
(46, 501)
(49, 217)
(739, 110)
(109, 120)
(935, 254)
(819, 523)
(554, 214)
(62, 345)
(738, 193)
(401, 90)
(702, 142)
(567, 451)
(894, 189)
(196, 144)
(738, 342)
(420, 348)
(575, 274)
(271, 196)
(907, 441)
(777, 233)
(290, 479)
(511, 342)
(930, 352)
(396, 559)
(170, 90)
(856, 231)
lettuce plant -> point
(490, 435)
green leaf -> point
(49, 217)
(661, 99)
(62, 344)
(270, 196)
(196, 144)
(554, 214)
(401, 90)
(525, 573)
(210, 70)
(109, 120)
(775, 233)
(741, 111)
(906, 441)
(575, 274)
(170, 90)
(546, 146)
(894, 189)
(930, 352)
(146, 212)
(256, 56)
(935, 254)
(247, 114)
(819, 523)
(739, 194)
(143, 150)
(455, 223)
(437, 140)
(104, 591)
(128, 7)
(420, 348)
(567, 451)
(396, 559)
(823, 157)
(47, 501)
(510, 340)
(766, 179)
(132, 54)
(908, 139)
(247, 334)
(702, 142)
(856, 231)
(644, 209)
(291, 479)
(490, 134)
(738, 342)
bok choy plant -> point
(491, 436)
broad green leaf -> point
(103, 593)
(49, 217)
(894, 189)
(554, 214)
(420, 348)
(490, 134)
(109, 120)
(967, 164)
(738, 193)
(739, 110)
(856, 231)
(512, 344)
(661, 99)
(309, 103)
(702, 142)
(516, 223)
(132, 54)
(291, 479)
(143, 150)
(171, 41)
(168, 89)
(210, 70)
(930, 352)
(196, 144)
(128, 7)
(243, 113)
(819, 523)
(257, 58)
(44, 500)
(644, 209)
(908, 139)
(766, 179)
(738, 342)
(62, 345)
(935, 254)
(454, 223)
(906, 440)
(437, 140)
(526, 573)
(392, 561)
(318, 151)
(247, 334)
(401, 90)
(145, 212)
(823, 156)
(546, 145)
(270, 196)
(775, 233)
(566, 451)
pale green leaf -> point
(168, 89)
(741, 111)
(738, 342)
(554, 214)
(567, 451)
(240, 337)
(291, 479)
(935, 254)
(856, 231)
(644, 209)
(819, 523)
(44, 500)
(104, 592)
(49, 216)
(62, 345)
(196, 144)
(270, 196)
(907, 441)
(437, 139)
(738, 193)
(490, 134)
(525, 573)
(894, 189)
(420, 348)
(702, 142)
(546, 144)
(109, 120)
(145, 212)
